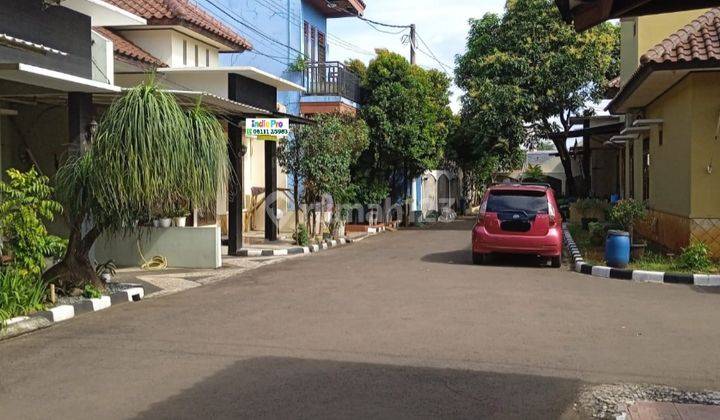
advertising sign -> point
(271, 129)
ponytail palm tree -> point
(148, 155)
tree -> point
(356, 66)
(407, 111)
(148, 155)
(532, 72)
(321, 155)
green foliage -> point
(301, 236)
(527, 70)
(533, 173)
(321, 154)
(357, 66)
(90, 291)
(589, 204)
(695, 258)
(148, 155)
(300, 64)
(25, 208)
(625, 213)
(108, 267)
(409, 117)
(598, 232)
(20, 294)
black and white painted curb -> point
(21, 325)
(296, 250)
(581, 266)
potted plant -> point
(179, 215)
(626, 213)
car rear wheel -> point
(479, 259)
(555, 262)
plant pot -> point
(156, 223)
(637, 251)
(165, 222)
(180, 221)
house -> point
(292, 43)
(435, 190)
(187, 47)
(671, 104)
(588, 13)
(52, 62)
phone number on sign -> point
(267, 132)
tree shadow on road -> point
(464, 257)
(275, 387)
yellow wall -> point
(705, 148)
(670, 163)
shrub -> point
(598, 231)
(301, 236)
(533, 173)
(24, 209)
(695, 258)
(91, 291)
(588, 204)
(627, 212)
(20, 294)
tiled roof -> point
(127, 49)
(697, 41)
(182, 12)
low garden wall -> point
(183, 247)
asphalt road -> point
(398, 326)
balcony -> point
(332, 78)
(339, 8)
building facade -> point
(671, 102)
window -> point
(631, 178)
(530, 202)
(306, 39)
(646, 168)
(197, 56)
(321, 47)
(207, 58)
(313, 44)
(184, 53)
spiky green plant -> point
(148, 155)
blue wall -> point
(281, 20)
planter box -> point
(189, 247)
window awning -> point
(591, 131)
(42, 80)
(246, 71)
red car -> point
(518, 219)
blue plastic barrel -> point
(617, 249)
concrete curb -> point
(43, 319)
(297, 250)
(579, 265)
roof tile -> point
(174, 12)
(127, 49)
(697, 41)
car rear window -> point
(531, 202)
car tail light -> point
(481, 213)
(551, 214)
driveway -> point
(398, 326)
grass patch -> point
(653, 260)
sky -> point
(442, 24)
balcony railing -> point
(332, 78)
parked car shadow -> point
(278, 387)
(464, 257)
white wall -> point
(167, 45)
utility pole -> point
(412, 44)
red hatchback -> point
(518, 219)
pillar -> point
(235, 192)
(80, 117)
(271, 228)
